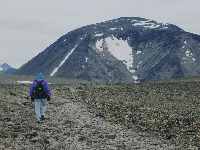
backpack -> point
(39, 91)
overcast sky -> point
(27, 27)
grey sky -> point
(29, 26)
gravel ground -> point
(69, 125)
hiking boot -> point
(39, 121)
(42, 117)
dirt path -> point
(69, 125)
(86, 131)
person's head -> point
(39, 76)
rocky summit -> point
(120, 50)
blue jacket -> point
(45, 85)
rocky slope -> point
(154, 115)
(166, 109)
(69, 125)
(121, 50)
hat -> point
(39, 76)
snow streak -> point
(63, 61)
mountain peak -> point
(6, 68)
(120, 50)
(140, 23)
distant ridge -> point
(7, 69)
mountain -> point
(120, 50)
(6, 68)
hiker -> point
(40, 94)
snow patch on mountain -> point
(147, 24)
(133, 21)
(135, 77)
(86, 59)
(164, 27)
(99, 35)
(185, 42)
(138, 52)
(99, 45)
(193, 59)
(63, 61)
(189, 54)
(139, 64)
(112, 29)
(119, 48)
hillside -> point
(120, 50)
